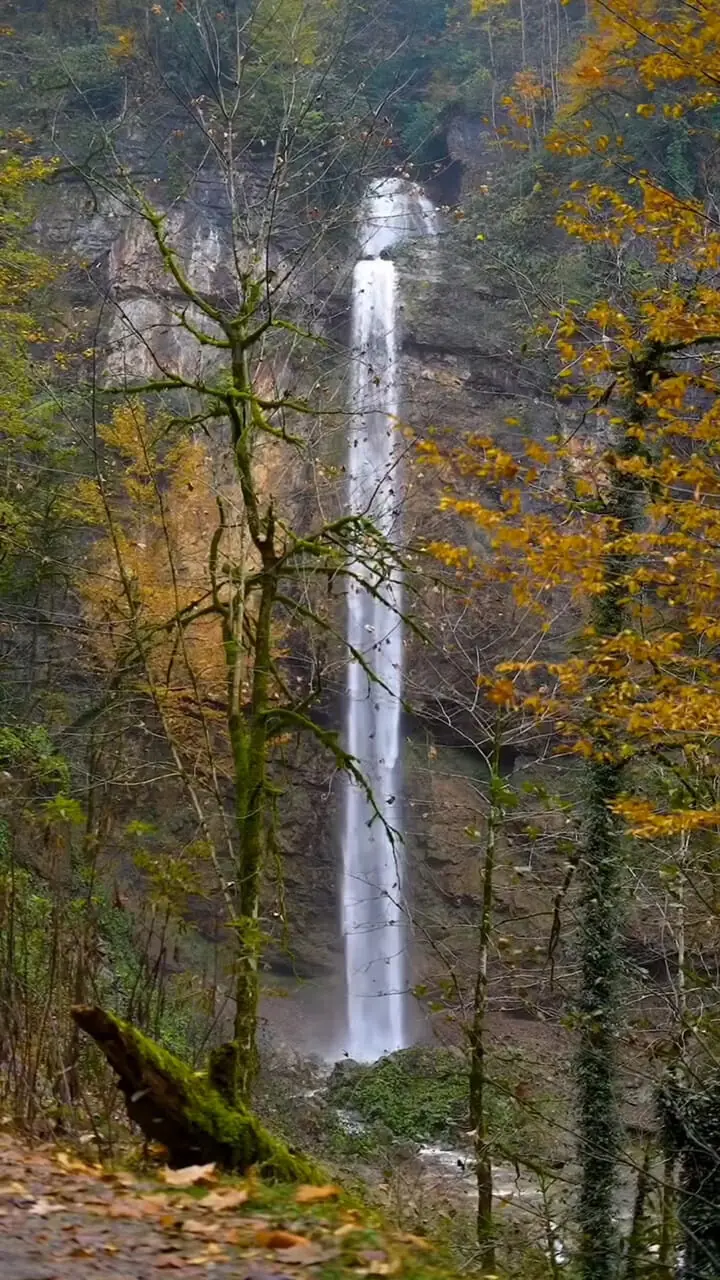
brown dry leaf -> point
(417, 1242)
(315, 1195)
(352, 1215)
(254, 1272)
(157, 1207)
(169, 1262)
(132, 1209)
(81, 1251)
(119, 1178)
(213, 1253)
(223, 1200)
(239, 1235)
(195, 1228)
(307, 1255)
(13, 1189)
(388, 1268)
(279, 1239)
(72, 1165)
(193, 1175)
(42, 1207)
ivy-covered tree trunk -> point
(690, 1114)
(601, 878)
(596, 1062)
(477, 1036)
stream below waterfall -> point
(373, 918)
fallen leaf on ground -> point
(213, 1253)
(347, 1229)
(307, 1255)
(72, 1165)
(195, 1228)
(418, 1242)
(119, 1178)
(169, 1262)
(193, 1175)
(279, 1239)
(223, 1200)
(316, 1195)
(253, 1272)
(240, 1235)
(81, 1251)
(132, 1209)
(42, 1207)
(381, 1267)
(13, 1189)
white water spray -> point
(372, 888)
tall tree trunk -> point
(477, 1035)
(677, 1067)
(250, 749)
(248, 729)
(636, 1244)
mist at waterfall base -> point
(373, 917)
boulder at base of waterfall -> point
(181, 1109)
(419, 1094)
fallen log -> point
(182, 1109)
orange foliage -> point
(647, 367)
(149, 591)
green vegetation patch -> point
(418, 1094)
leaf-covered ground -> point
(64, 1219)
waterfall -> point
(374, 931)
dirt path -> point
(59, 1222)
(63, 1219)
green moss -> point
(180, 1108)
(418, 1094)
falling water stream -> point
(372, 867)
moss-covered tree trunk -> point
(251, 795)
(182, 1109)
(248, 726)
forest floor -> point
(64, 1219)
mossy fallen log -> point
(182, 1109)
